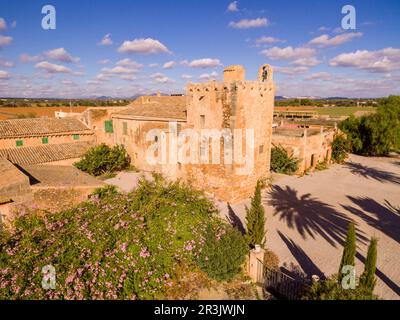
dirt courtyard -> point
(307, 218)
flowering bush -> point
(113, 246)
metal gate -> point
(280, 284)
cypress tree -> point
(255, 219)
(349, 251)
(368, 279)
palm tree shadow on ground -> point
(309, 216)
(383, 217)
(373, 173)
(304, 261)
(234, 220)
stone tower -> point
(234, 105)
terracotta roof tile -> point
(46, 153)
(15, 128)
(164, 107)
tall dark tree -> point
(349, 251)
(255, 219)
(368, 279)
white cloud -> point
(169, 65)
(323, 28)
(338, 30)
(128, 77)
(128, 63)
(291, 70)
(118, 70)
(69, 83)
(143, 46)
(186, 76)
(268, 40)
(288, 53)
(5, 41)
(25, 58)
(319, 76)
(381, 61)
(102, 77)
(202, 63)
(153, 65)
(6, 64)
(3, 24)
(208, 76)
(161, 78)
(232, 7)
(249, 23)
(325, 41)
(106, 41)
(103, 61)
(52, 68)
(306, 62)
(4, 75)
(60, 54)
(14, 24)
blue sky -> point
(123, 48)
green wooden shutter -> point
(19, 143)
(45, 140)
(75, 136)
(108, 126)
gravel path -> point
(307, 218)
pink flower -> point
(123, 247)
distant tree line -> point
(62, 102)
(324, 102)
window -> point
(178, 128)
(261, 149)
(19, 143)
(124, 128)
(75, 136)
(108, 126)
(45, 140)
(202, 120)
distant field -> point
(344, 111)
(330, 111)
(10, 113)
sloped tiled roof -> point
(164, 107)
(16, 128)
(46, 153)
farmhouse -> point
(43, 140)
(218, 136)
(238, 111)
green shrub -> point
(104, 159)
(349, 250)
(330, 289)
(368, 279)
(376, 134)
(106, 191)
(340, 148)
(282, 162)
(223, 253)
(255, 219)
(118, 246)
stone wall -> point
(14, 184)
(313, 146)
(232, 104)
(95, 119)
(8, 143)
